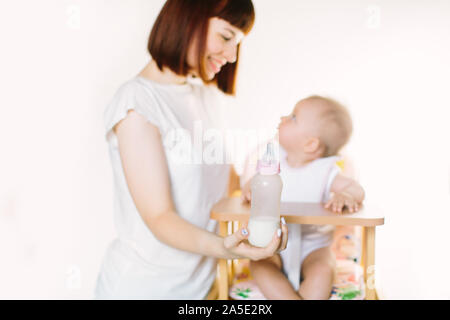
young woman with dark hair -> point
(167, 246)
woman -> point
(166, 246)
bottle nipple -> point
(269, 156)
(269, 164)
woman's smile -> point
(214, 64)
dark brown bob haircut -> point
(181, 20)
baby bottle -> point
(266, 188)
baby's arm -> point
(343, 184)
(346, 192)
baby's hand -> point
(246, 193)
(339, 201)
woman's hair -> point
(181, 20)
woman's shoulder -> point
(129, 93)
(137, 92)
(133, 85)
(132, 95)
(124, 92)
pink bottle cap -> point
(268, 168)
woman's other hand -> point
(237, 244)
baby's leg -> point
(318, 270)
(271, 281)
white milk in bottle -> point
(266, 188)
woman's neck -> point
(167, 76)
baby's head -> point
(317, 127)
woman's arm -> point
(146, 172)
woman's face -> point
(221, 47)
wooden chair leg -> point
(369, 262)
(232, 229)
(214, 292)
(223, 266)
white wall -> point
(62, 61)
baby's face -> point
(301, 125)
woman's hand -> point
(342, 200)
(237, 244)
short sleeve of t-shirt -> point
(131, 96)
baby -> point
(309, 141)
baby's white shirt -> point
(308, 183)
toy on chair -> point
(349, 280)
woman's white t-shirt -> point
(136, 264)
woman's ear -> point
(312, 145)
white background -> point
(61, 62)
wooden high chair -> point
(231, 213)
